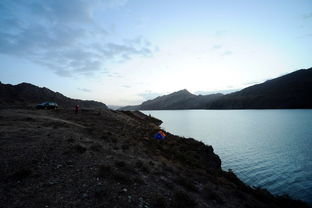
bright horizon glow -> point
(123, 52)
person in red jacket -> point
(76, 109)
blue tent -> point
(159, 135)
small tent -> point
(160, 135)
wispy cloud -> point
(220, 33)
(64, 36)
(227, 53)
(307, 16)
(126, 86)
(84, 89)
(309, 35)
(216, 46)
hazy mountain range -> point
(28, 95)
(291, 91)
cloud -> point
(64, 35)
(114, 75)
(84, 89)
(227, 53)
(309, 35)
(216, 46)
(220, 33)
(307, 16)
(115, 3)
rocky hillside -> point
(104, 158)
(286, 92)
(28, 95)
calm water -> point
(267, 148)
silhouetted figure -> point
(76, 109)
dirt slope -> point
(107, 158)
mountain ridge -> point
(181, 99)
(28, 95)
(290, 91)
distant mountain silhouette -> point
(182, 99)
(28, 95)
(291, 91)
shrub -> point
(186, 183)
(158, 201)
(70, 140)
(21, 174)
(125, 167)
(120, 164)
(115, 147)
(122, 178)
(104, 171)
(100, 193)
(113, 140)
(125, 146)
(96, 147)
(183, 200)
(104, 137)
(139, 164)
(80, 149)
(145, 169)
(210, 194)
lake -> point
(271, 149)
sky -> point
(123, 52)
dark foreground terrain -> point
(106, 158)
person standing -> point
(76, 109)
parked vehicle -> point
(47, 105)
